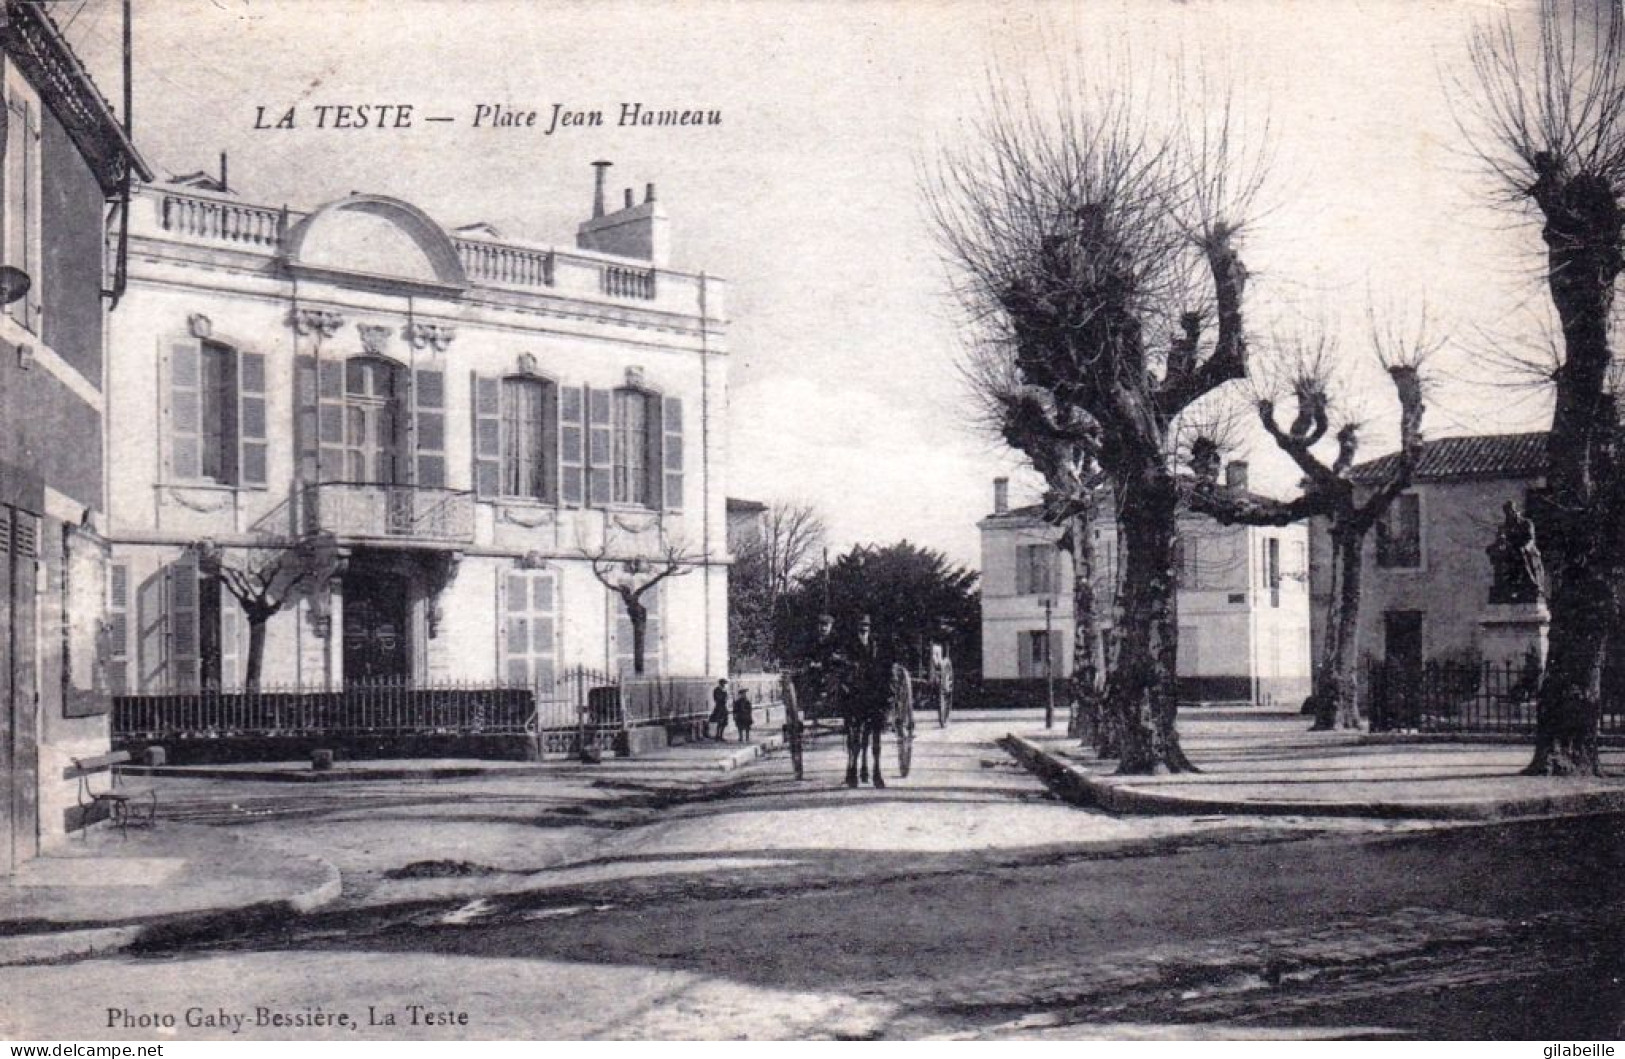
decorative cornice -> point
(317, 321)
(438, 336)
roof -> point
(1475, 456)
(32, 40)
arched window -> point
(374, 421)
(529, 466)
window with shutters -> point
(217, 414)
(529, 627)
(20, 174)
(516, 438)
(167, 628)
(1036, 649)
(1399, 534)
(1035, 569)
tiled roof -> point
(1028, 512)
(1478, 456)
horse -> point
(866, 716)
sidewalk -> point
(103, 891)
(1260, 763)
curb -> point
(746, 754)
(1092, 792)
(49, 946)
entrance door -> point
(375, 627)
(1402, 653)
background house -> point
(444, 421)
(1427, 577)
(1243, 605)
(63, 158)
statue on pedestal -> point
(1519, 576)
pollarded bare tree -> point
(631, 576)
(1082, 236)
(1062, 447)
(1548, 119)
(263, 580)
(1327, 491)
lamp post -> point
(1049, 665)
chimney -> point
(648, 192)
(598, 191)
(629, 202)
(1001, 496)
(1235, 474)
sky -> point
(807, 199)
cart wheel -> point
(905, 751)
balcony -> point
(399, 512)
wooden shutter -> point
(671, 452)
(117, 659)
(599, 445)
(330, 420)
(152, 631)
(251, 446)
(429, 421)
(572, 447)
(1023, 570)
(231, 638)
(184, 647)
(487, 406)
(306, 431)
(516, 629)
(185, 410)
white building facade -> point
(430, 431)
(1243, 607)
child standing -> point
(742, 715)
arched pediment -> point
(377, 238)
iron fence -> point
(579, 701)
(1442, 696)
(382, 708)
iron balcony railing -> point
(360, 509)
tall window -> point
(633, 460)
(1035, 569)
(529, 606)
(1399, 534)
(217, 414)
(529, 430)
(374, 391)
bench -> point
(124, 802)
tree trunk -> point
(1337, 681)
(638, 615)
(256, 652)
(1087, 707)
(1570, 700)
(1582, 234)
(1143, 694)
